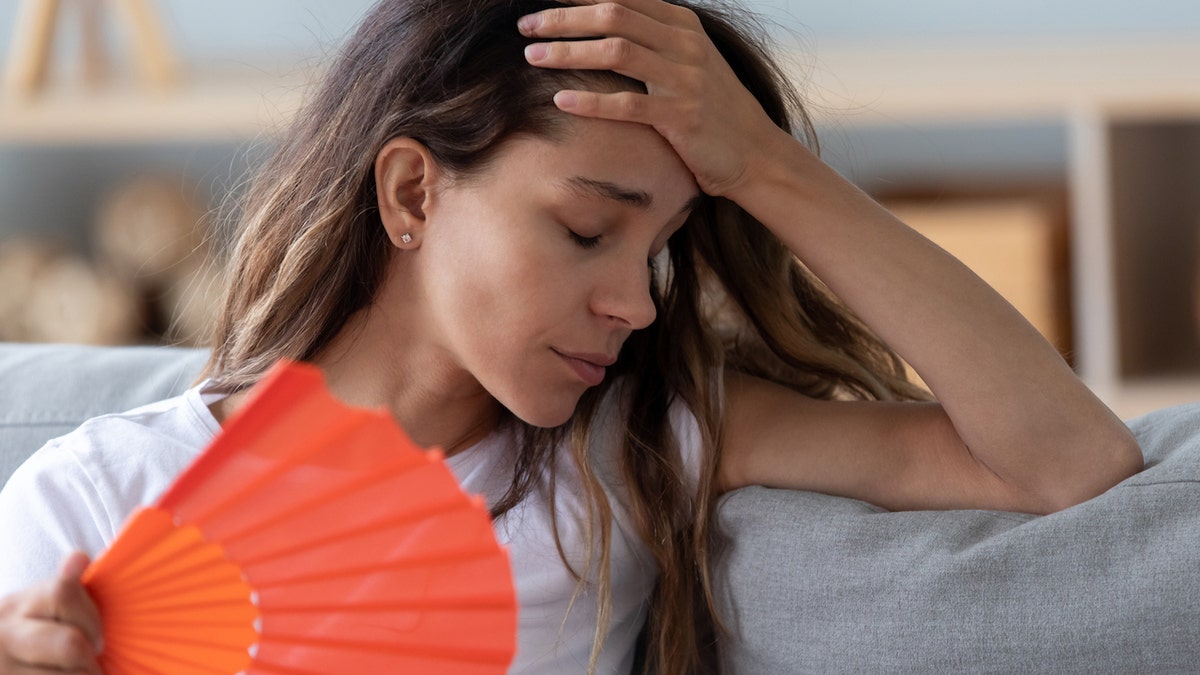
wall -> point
(220, 26)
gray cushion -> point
(816, 584)
(47, 390)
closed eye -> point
(585, 242)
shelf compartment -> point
(1155, 168)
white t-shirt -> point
(76, 492)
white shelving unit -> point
(205, 106)
(1132, 111)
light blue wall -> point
(209, 28)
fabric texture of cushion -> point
(48, 390)
(811, 583)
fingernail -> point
(528, 24)
(565, 99)
(536, 52)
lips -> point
(590, 368)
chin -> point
(546, 414)
(546, 420)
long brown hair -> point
(312, 252)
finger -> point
(66, 601)
(45, 644)
(593, 21)
(625, 106)
(612, 20)
(663, 12)
(74, 565)
(616, 54)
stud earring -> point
(406, 238)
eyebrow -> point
(590, 188)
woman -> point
(560, 241)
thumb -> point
(74, 565)
(76, 606)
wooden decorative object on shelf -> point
(49, 294)
(153, 276)
(147, 227)
(34, 31)
(151, 234)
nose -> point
(624, 296)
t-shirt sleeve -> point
(49, 508)
(691, 446)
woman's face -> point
(537, 271)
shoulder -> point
(148, 442)
(76, 491)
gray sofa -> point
(820, 584)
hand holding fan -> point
(310, 537)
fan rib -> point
(416, 561)
(485, 603)
(150, 659)
(453, 503)
(456, 653)
(132, 635)
(190, 579)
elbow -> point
(1102, 464)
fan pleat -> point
(262, 667)
(157, 658)
(217, 636)
(426, 484)
(412, 625)
(293, 452)
(336, 487)
(421, 531)
(415, 561)
(173, 560)
(471, 581)
(373, 656)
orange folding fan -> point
(310, 537)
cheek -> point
(488, 285)
(503, 298)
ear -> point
(405, 176)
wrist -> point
(778, 160)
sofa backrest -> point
(48, 390)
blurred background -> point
(1054, 146)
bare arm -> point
(1018, 413)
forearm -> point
(1013, 400)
